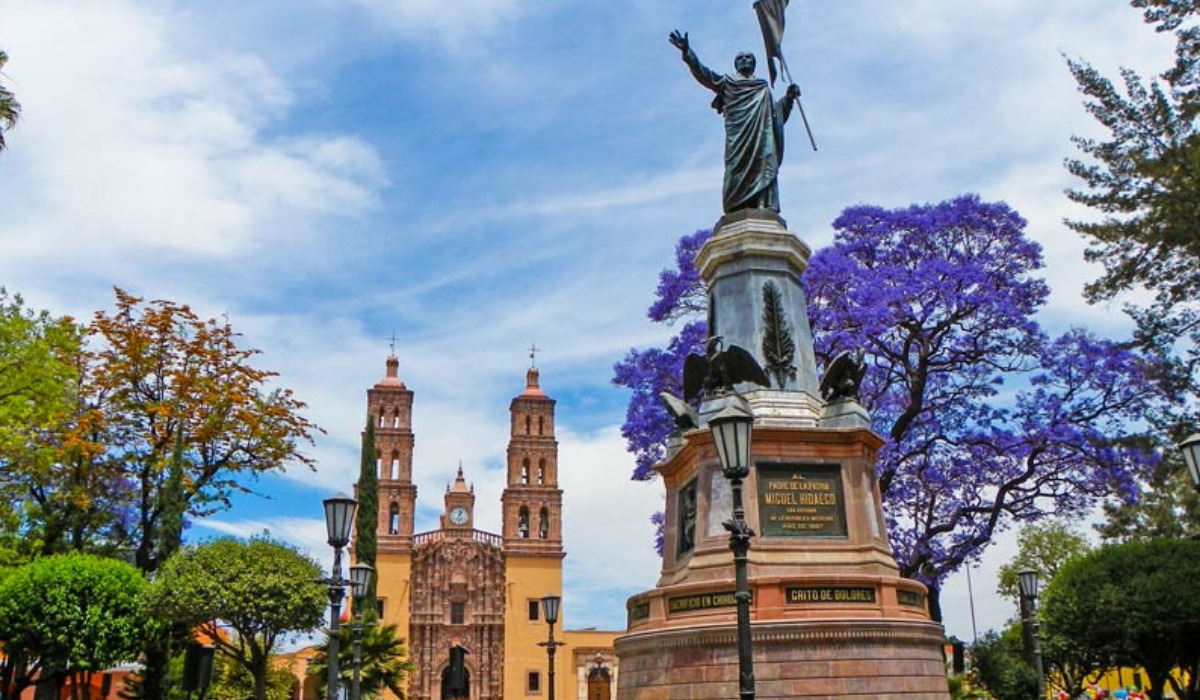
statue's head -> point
(744, 63)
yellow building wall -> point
(579, 657)
(393, 573)
(1129, 678)
(532, 578)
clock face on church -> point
(459, 516)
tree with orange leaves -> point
(157, 374)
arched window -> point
(395, 464)
(394, 518)
(543, 524)
(541, 425)
(541, 472)
(525, 471)
(381, 418)
(378, 463)
(528, 425)
(395, 418)
(523, 523)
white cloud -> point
(129, 148)
(305, 534)
(454, 24)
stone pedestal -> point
(830, 615)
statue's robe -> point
(753, 136)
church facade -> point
(461, 585)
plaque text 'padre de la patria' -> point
(801, 500)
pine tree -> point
(1145, 178)
(1144, 181)
(368, 509)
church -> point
(465, 585)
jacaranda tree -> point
(988, 420)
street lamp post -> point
(1191, 454)
(360, 578)
(731, 430)
(550, 607)
(1027, 581)
(339, 519)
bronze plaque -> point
(910, 598)
(640, 611)
(705, 601)
(830, 594)
(801, 500)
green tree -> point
(231, 681)
(1043, 547)
(73, 615)
(368, 509)
(1143, 178)
(244, 595)
(1167, 507)
(996, 665)
(385, 662)
(1135, 604)
(10, 109)
(46, 507)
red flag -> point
(770, 18)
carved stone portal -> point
(458, 595)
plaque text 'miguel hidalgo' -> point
(801, 500)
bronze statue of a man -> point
(753, 128)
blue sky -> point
(479, 175)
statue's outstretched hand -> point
(679, 41)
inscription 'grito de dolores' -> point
(830, 594)
(801, 500)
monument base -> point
(814, 660)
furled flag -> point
(770, 18)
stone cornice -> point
(822, 633)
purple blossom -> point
(680, 292)
(646, 373)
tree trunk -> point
(1158, 683)
(260, 680)
(156, 656)
(935, 602)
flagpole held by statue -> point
(771, 21)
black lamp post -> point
(339, 519)
(1191, 454)
(731, 430)
(1027, 581)
(550, 607)
(360, 578)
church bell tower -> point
(532, 530)
(532, 501)
(389, 408)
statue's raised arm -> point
(704, 75)
(680, 41)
